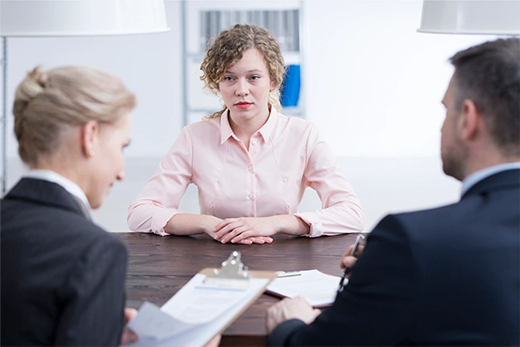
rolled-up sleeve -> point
(341, 209)
(159, 199)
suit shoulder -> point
(437, 225)
(435, 212)
(101, 236)
(84, 234)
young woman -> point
(63, 277)
(250, 163)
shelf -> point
(206, 111)
(290, 58)
(292, 111)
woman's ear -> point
(89, 138)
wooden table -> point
(159, 266)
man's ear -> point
(89, 138)
(469, 120)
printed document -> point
(316, 287)
(194, 315)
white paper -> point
(197, 303)
(316, 287)
(192, 316)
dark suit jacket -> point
(446, 276)
(62, 276)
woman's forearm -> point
(189, 224)
(290, 224)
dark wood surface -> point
(159, 266)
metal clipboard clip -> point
(233, 273)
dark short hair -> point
(489, 75)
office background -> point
(372, 84)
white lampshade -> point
(81, 17)
(494, 17)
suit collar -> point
(45, 193)
(509, 179)
(70, 186)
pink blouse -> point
(285, 156)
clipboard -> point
(175, 324)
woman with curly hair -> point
(250, 163)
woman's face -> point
(108, 159)
(245, 87)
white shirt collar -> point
(478, 176)
(68, 185)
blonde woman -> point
(250, 163)
(63, 277)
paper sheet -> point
(192, 316)
(316, 287)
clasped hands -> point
(299, 308)
(245, 230)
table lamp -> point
(493, 17)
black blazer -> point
(62, 276)
(446, 276)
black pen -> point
(348, 268)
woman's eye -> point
(254, 78)
(228, 78)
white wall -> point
(149, 65)
(372, 84)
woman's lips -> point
(243, 105)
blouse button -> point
(284, 179)
(250, 197)
(250, 169)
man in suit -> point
(449, 275)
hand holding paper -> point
(129, 336)
(297, 308)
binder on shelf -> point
(211, 301)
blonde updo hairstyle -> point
(228, 48)
(48, 103)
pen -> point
(359, 238)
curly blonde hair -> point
(228, 48)
(48, 102)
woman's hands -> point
(244, 230)
(245, 240)
(238, 230)
(258, 230)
